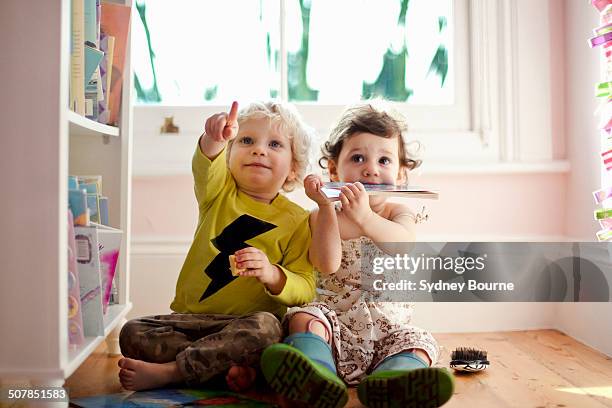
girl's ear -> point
(333, 170)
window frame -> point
(482, 132)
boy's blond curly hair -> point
(289, 123)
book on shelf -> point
(77, 58)
(73, 182)
(86, 200)
(91, 21)
(115, 21)
(332, 190)
(93, 184)
(114, 296)
(93, 56)
(103, 210)
(93, 205)
(107, 46)
(77, 203)
(75, 315)
(97, 253)
(90, 285)
(109, 245)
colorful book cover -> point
(91, 188)
(93, 57)
(602, 195)
(109, 245)
(601, 4)
(604, 235)
(332, 190)
(90, 26)
(115, 21)
(77, 203)
(90, 285)
(87, 180)
(169, 397)
(107, 45)
(75, 315)
(603, 213)
(606, 223)
(94, 207)
(606, 156)
(77, 58)
(73, 183)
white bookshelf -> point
(82, 126)
(42, 143)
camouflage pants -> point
(203, 345)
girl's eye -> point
(275, 144)
(246, 140)
(357, 158)
(384, 160)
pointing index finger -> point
(233, 114)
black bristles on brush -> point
(469, 359)
(468, 354)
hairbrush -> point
(469, 359)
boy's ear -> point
(292, 175)
(333, 170)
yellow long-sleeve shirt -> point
(230, 220)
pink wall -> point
(517, 206)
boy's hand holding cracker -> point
(252, 262)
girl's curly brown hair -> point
(370, 117)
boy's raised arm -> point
(219, 128)
(210, 174)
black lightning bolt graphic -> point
(231, 239)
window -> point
(436, 60)
(333, 51)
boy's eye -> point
(384, 160)
(246, 140)
(275, 144)
(357, 158)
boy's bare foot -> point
(240, 378)
(137, 375)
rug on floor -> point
(169, 397)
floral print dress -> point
(364, 332)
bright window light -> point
(193, 52)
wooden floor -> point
(543, 368)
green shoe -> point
(293, 375)
(420, 388)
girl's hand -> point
(355, 203)
(222, 127)
(312, 186)
(256, 264)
